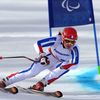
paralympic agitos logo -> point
(66, 5)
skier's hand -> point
(40, 56)
(44, 60)
(59, 33)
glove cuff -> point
(42, 54)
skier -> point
(62, 55)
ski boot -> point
(38, 86)
(2, 84)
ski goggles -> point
(69, 41)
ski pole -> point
(17, 57)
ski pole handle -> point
(17, 57)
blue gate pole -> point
(50, 30)
(96, 47)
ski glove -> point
(40, 56)
(44, 59)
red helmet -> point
(69, 33)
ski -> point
(12, 90)
(57, 94)
(17, 89)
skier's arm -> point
(45, 43)
(41, 44)
(74, 61)
(75, 55)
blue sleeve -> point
(75, 55)
(46, 42)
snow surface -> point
(22, 23)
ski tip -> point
(58, 94)
(13, 90)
